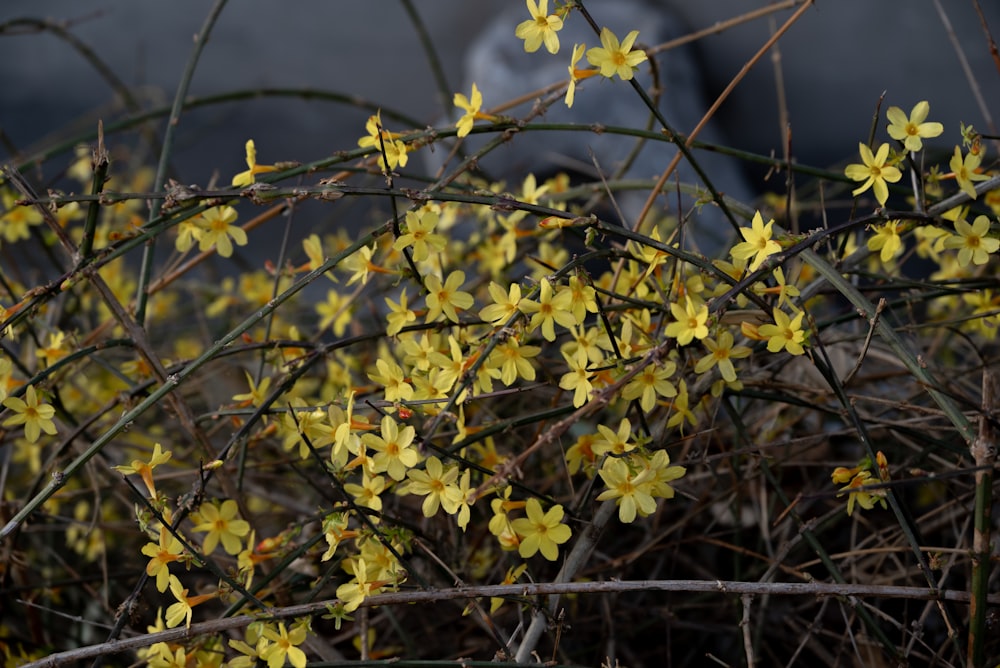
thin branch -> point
(817, 589)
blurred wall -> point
(835, 62)
(368, 49)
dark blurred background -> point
(835, 62)
(365, 49)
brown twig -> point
(817, 589)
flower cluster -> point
(863, 488)
(469, 378)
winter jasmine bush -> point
(495, 385)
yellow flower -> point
(614, 443)
(217, 228)
(512, 358)
(395, 150)
(450, 368)
(437, 485)
(682, 409)
(250, 653)
(360, 264)
(399, 314)
(221, 524)
(7, 382)
(394, 453)
(345, 424)
(757, 242)
(367, 494)
(420, 235)
(663, 474)
(531, 193)
(513, 573)
(630, 491)
(874, 172)
(188, 232)
(353, 593)
(55, 350)
(473, 111)
(504, 306)
(16, 218)
(650, 382)
(985, 307)
(446, 298)
(689, 322)
(857, 494)
(246, 178)
(721, 353)
(181, 610)
(886, 240)
(416, 351)
(583, 298)
(577, 379)
(883, 466)
(257, 394)
(392, 377)
(300, 424)
(842, 474)
(540, 28)
(541, 531)
(973, 244)
(583, 344)
(256, 553)
(466, 497)
(36, 416)
(581, 454)
(549, 310)
(145, 469)
(335, 531)
(168, 550)
(500, 523)
(965, 171)
(433, 386)
(284, 644)
(613, 58)
(785, 333)
(913, 130)
(313, 246)
(930, 241)
(335, 312)
(576, 74)
(82, 168)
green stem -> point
(983, 452)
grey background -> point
(835, 62)
(364, 48)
